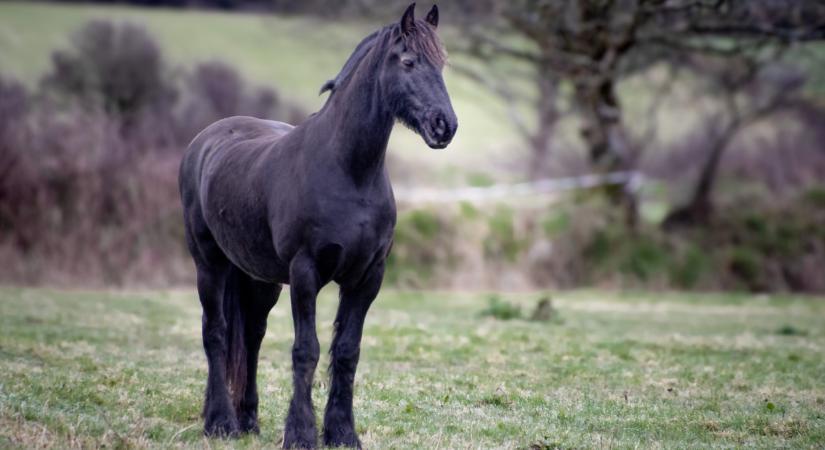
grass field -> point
(295, 55)
(125, 369)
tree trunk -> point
(606, 140)
(547, 115)
(699, 209)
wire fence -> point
(632, 180)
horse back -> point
(227, 135)
(238, 129)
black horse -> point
(266, 203)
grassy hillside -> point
(294, 55)
(118, 369)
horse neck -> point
(362, 124)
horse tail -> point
(235, 331)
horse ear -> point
(408, 19)
(432, 17)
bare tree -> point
(749, 90)
(591, 45)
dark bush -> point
(88, 173)
(219, 87)
(117, 67)
(424, 249)
(15, 191)
(87, 205)
(14, 102)
(746, 264)
(503, 241)
(500, 309)
(644, 258)
(687, 271)
(215, 90)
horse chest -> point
(360, 229)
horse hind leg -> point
(219, 289)
(257, 299)
(218, 413)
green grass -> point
(295, 55)
(125, 369)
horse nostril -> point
(440, 126)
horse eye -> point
(408, 63)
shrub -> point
(745, 263)
(425, 223)
(643, 257)
(501, 309)
(556, 223)
(14, 102)
(480, 179)
(117, 67)
(215, 90)
(687, 271)
(815, 196)
(502, 241)
(468, 211)
(88, 173)
(15, 189)
(599, 247)
(790, 330)
(88, 205)
(424, 248)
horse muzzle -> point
(439, 129)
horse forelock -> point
(423, 40)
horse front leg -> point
(339, 420)
(300, 430)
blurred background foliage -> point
(718, 104)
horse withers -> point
(266, 203)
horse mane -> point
(353, 61)
(421, 39)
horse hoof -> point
(350, 443)
(341, 436)
(295, 440)
(251, 429)
(222, 428)
(249, 424)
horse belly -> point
(245, 239)
(262, 264)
